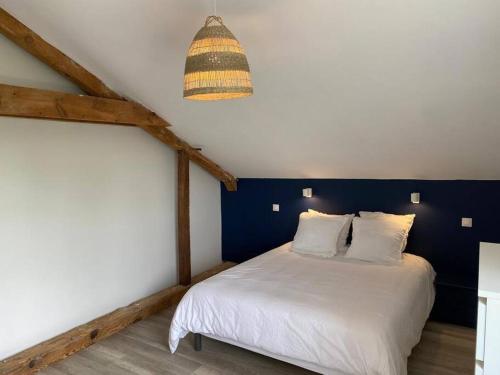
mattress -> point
(335, 316)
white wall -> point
(342, 89)
(205, 217)
(87, 217)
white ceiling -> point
(343, 88)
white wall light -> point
(307, 192)
(415, 197)
(467, 222)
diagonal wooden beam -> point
(34, 44)
(169, 138)
(89, 83)
(197, 157)
(34, 103)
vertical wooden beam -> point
(183, 232)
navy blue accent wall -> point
(250, 227)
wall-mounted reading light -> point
(307, 192)
(415, 197)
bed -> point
(333, 316)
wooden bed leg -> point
(197, 342)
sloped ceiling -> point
(343, 88)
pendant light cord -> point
(215, 7)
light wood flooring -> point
(142, 349)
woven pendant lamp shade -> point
(216, 65)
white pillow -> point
(377, 241)
(404, 220)
(318, 234)
(344, 233)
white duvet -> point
(336, 316)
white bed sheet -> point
(340, 315)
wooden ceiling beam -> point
(43, 104)
(169, 138)
(90, 84)
(34, 44)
